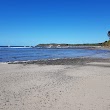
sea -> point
(10, 54)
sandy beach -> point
(68, 84)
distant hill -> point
(54, 45)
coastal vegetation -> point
(55, 45)
(106, 43)
(108, 34)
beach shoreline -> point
(59, 84)
(62, 61)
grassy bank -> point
(106, 43)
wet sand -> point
(62, 84)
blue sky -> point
(30, 22)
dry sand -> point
(55, 87)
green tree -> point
(108, 34)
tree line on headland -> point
(54, 45)
(66, 45)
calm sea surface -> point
(23, 54)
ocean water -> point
(24, 54)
